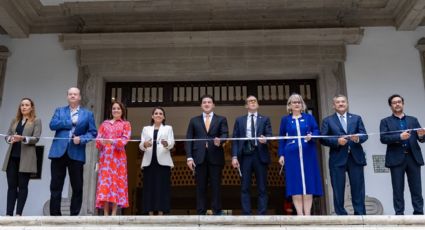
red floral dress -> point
(112, 184)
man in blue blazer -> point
(252, 155)
(206, 156)
(74, 127)
(401, 134)
(345, 155)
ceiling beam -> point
(234, 38)
(12, 21)
(410, 15)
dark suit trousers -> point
(17, 187)
(204, 173)
(413, 172)
(58, 173)
(251, 163)
(357, 185)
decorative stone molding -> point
(232, 38)
(4, 54)
(421, 47)
(212, 55)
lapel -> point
(350, 125)
(201, 121)
(28, 129)
(67, 113)
(408, 122)
(244, 125)
(160, 131)
(338, 122)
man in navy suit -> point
(206, 156)
(252, 155)
(74, 127)
(345, 155)
(401, 134)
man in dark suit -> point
(345, 155)
(206, 156)
(252, 155)
(401, 134)
(74, 127)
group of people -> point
(342, 132)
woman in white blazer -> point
(156, 141)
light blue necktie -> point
(343, 123)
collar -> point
(403, 117)
(339, 115)
(255, 114)
(112, 120)
(204, 115)
(77, 109)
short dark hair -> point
(393, 96)
(123, 109)
(207, 96)
(163, 112)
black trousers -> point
(208, 174)
(251, 163)
(17, 190)
(413, 172)
(58, 173)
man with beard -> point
(401, 134)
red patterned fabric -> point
(112, 185)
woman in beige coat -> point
(21, 160)
(156, 141)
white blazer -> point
(162, 153)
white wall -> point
(385, 62)
(38, 68)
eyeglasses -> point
(251, 101)
(295, 102)
(397, 102)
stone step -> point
(213, 222)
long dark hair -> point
(163, 112)
(123, 109)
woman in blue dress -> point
(298, 154)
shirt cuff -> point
(26, 140)
(190, 159)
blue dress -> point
(302, 176)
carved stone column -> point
(4, 54)
(91, 88)
(421, 47)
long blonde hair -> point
(32, 115)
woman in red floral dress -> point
(112, 185)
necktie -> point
(253, 130)
(207, 122)
(343, 123)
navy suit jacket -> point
(197, 130)
(338, 154)
(62, 124)
(395, 152)
(263, 127)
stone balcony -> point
(214, 222)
